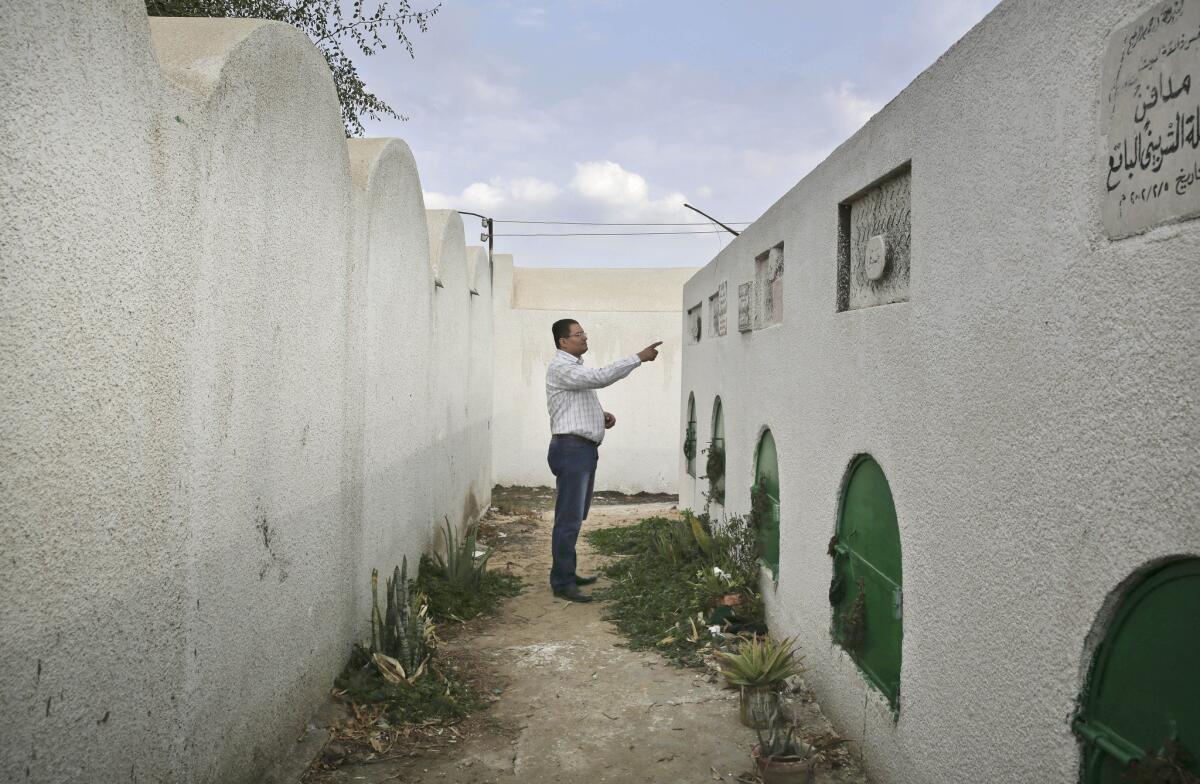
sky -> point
(615, 111)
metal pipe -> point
(711, 218)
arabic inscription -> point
(1151, 113)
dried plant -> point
(1168, 766)
(850, 626)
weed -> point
(434, 697)
(454, 601)
(628, 540)
(714, 469)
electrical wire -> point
(610, 233)
(588, 223)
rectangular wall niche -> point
(717, 311)
(768, 283)
(693, 324)
(874, 228)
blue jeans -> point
(573, 462)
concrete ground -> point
(570, 704)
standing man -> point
(577, 425)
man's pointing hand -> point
(649, 353)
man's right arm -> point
(571, 376)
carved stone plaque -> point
(722, 308)
(745, 298)
(1150, 114)
(874, 232)
(876, 257)
(717, 305)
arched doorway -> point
(715, 465)
(689, 438)
(866, 592)
(764, 502)
(1141, 702)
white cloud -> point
(437, 201)
(608, 182)
(483, 195)
(531, 190)
(624, 193)
(496, 194)
(851, 110)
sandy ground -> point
(569, 703)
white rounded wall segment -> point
(267, 398)
(446, 233)
(388, 356)
(1032, 399)
(448, 405)
(95, 296)
(217, 390)
(480, 350)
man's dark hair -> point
(562, 329)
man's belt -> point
(581, 438)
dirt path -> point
(570, 704)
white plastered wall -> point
(480, 351)
(1032, 405)
(390, 301)
(91, 401)
(622, 311)
(218, 324)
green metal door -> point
(1143, 694)
(689, 438)
(765, 502)
(716, 462)
(867, 593)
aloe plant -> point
(777, 739)
(460, 566)
(761, 661)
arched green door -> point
(1143, 694)
(715, 469)
(765, 501)
(867, 594)
(689, 438)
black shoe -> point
(572, 594)
(586, 580)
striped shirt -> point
(571, 393)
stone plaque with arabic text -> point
(1150, 113)
(745, 295)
